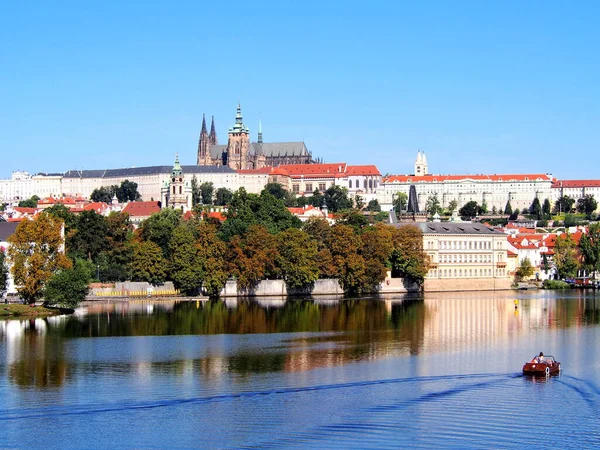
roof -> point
(150, 170)
(142, 209)
(575, 183)
(7, 229)
(268, 149)
(332, 170)
(363, 170)
(452, 228)
(99, 207)
(457, 178)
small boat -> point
(543, 365)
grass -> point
(13, 310)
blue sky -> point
(481, 87)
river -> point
(440, 371)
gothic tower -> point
(238, 143)
(421, 164)
(213, 134)
(204, 144)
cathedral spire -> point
(239, 126)
(213, 132)
(176, 167)
(203, 131)
(260, 140)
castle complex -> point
(241, 154)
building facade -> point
(176, 193)
(575, 189)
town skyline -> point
(485, 88)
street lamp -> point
(98, 272)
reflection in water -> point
(322, 333)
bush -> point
(554, 284)
(68, 287)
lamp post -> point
(98, 272)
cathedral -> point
(241, 154)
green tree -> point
(207, 189)
(589, 246)
(103, 194)
(276, 190)
(400, 202)
(494, 211)
(452, 206)
(128, 192)
(297, 259)
(536, 209)
(196, 192)
(470, 209)
(508, 209)
(408, 260)
(212, 252)
(545, 263)
(223, 196)
(353, 218)
(433, 205)
(89, 236)
(30, 202)
(36, 254)
(565, 256)
(564, 204)
(547, 209)
(68, 287)
(377, 247)
(587, 205)
(373, 206)
(148, 263)
(3, 273)
(113, 263)
(336, 198)
(525, 269)
(185, 267)
(158, 228)
(359, 202)
(484, 208)
(317, 200)
(345, 245)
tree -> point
(36, 253)
(494, 211)
(196, 193)
(547, 209)
(589, 246)
(158, 228)
(297, 259)
(359, 202)
(89, 236)
(317, 200)
(276, 190)
(3, 273)
(525, 270)
(207, 189)
(127, 192)
(223, 197)
(185, 268)
(148, 263)
(336, 198)
(68, 287)
(452, 206)
(103, 194)
(587, 205)
(29, 203)
(351, 266)
(471, 209)
(377, 247)
(400, 202)
(508, 209)
(565, 256)
(484, 208)
(564, 204)
(432, 206)
(408, 259)
(514, 215)
(353, 218)
(373, 206)
(545, 263)
(212, 253)
(536, 209)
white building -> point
(575, 189)
(22, 186)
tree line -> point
(260, 239)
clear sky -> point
(480, 86)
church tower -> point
(176, 193)
(238, 143)
(204, 143)
(421, 165)
(212, 137)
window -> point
(309, 187)
(364, 184)
(350, 184)
(322, 187)
(295, 188)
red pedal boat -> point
(542, 365)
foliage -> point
(571, 220)
(336, 198)
(433, 205)
(382, 216)
(373, 206)
(536, 209)
(514, 215)
(212, 252)
(354, 218)
(62, 212)
(408, 259)
(68, 287)
(545, 263)
(223, 197)
(400, 202)
(127, 192)
(297, 259)
(564, 204)
(360, 204)
(3, 272)
(508, 209)
(345, 245)
(555, 284)
(148, 263)
(470, 209)
(185, 267)
(36, 254)
(589, 246)
(565, 256)
(103, 194)
(29, 203)
(89, 236)
(525, 270)
(377, 247)
(276, 190)
(546, 209)
(452, 205)
(317, 200)
(587, 205)
(196, 193)
(158, 228)
(484, 208)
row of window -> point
(308, 188)
(464, 245)
(372, 184)
(487, 258)
(458, 273)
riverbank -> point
(17, 310)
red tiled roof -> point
(335, 170)
(141, 209)
(99, 207)
(363, 170)
(217, 215)
(449, 178)
(575, 183)
(22, 210)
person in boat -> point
(539, 358)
